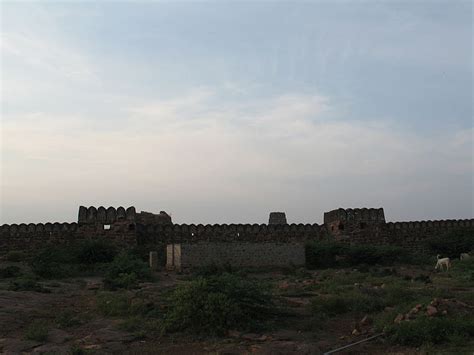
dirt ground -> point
(295, 332)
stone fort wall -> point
(128, 228)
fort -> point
(276, 243)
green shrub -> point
(37, 331)
(213, 270)
(324, 254)
(425, 330)
(372, 255)
(94, 251)
(113, 304)
(350, 302)
(333, 254)
(125, 271)
(15, 256)
(66, 319)
(54, 261)
(452, 244)
(10, 271)
(27, 284)
(364, 300)
(216, 304)
(71, 260)
(119, 304)
(143, 252)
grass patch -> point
(15, 256)
(27, 284)
(37, 331)
(361, 300)
(216, 304)
(424, 330)
(67, 319)
(9, 272)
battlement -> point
(128, 228)
(104, 215)
(367, 215)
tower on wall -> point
(277, 218)
(343, 221)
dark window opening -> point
(332, 228)
(341, 227)
(131, 227)
(363, 225)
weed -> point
(213, 270)
(37, 331)
(27, 284)
(424, 330)
(15, 256)
(10, 271)
(113, 304)
(66, 319)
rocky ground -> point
(66, 311)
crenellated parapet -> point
(368, 215)
(441, 224)
(102, 215)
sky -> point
(223, 111)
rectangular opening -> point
(106, 227)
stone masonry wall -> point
(241, 254)
(128, 228)
(257, 233)
(32, 236)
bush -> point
(364, 300)
(95, 251)
(213, 270)
(66, 319)
(125, 271)
(324, 254)
(424, 330)
(452, 244)
(112, 304)
(10, 271)
(119, 304)
(15, 256)
(70, 260)
(333, 254)
(349, 302)
(37, 331)
(54, 262)
(216, 304)
(371, 255)
(27, 284)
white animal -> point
(442, 262)
(464, 256)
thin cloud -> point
(290, 144)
